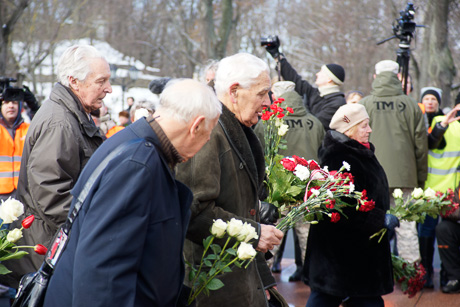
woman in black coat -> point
(342, 264)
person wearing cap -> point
(323, 100)
(13, 132)
(401, 144)
(443, 162)
(303, 139)
(347, 266)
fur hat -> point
(386, 65)
(436, 92)
(347, 116)
(335, 72)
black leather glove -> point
(273, 48)
(268, 213)
(391, 222)
(157, 86)
(29, 98)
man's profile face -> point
(322, 78)
(10, 110)
(93, 89)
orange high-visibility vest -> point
(113, 130)
(10, 157)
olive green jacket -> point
(398, 132)
(225, 177)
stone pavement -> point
(296, 293)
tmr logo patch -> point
(390, 105)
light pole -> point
(124, 81)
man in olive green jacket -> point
(225, 178)
(401, 145)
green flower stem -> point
(193, 295)
(201, 264)
(225, 246)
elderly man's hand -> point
(269, 237)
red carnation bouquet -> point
(408, 275)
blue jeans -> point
(319, 299)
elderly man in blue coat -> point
(126, 244)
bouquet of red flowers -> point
(408, 275)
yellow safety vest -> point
(444, 164)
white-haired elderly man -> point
(226, 177)
(61, 139)
(401, 144)
(126, 244)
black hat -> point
(337, 73)
(436, 92)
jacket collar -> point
(328, 89)
(64, 96)
(245, 144)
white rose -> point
(234, 227)
(14, 235)
(246, 251)
(10, 210)
(302, 172)
(283, 130)
(429, 193)
(397, 193)
(346, 165)
(249, 233)
(218, 228)
(417, 193)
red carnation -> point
(288, 164)
(364, 194)
(367, 206)
(280, 115)
(314, 165)
(290, 110)
(330, 203)
(267, 115)
(274, 107)
(335, 217)
(300, 160)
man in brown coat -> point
(61, 139)
(226, 176)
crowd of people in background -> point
(197, 156)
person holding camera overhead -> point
(13, 131)
(322, 101)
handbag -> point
(32, 287)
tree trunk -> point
(437, 67)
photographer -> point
(322, 101)
(13, 131)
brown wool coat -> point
(225, 177)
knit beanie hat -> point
(436, 92)
(335, 72)
(347, 116)
(386, 65)
(281, 87)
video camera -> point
(404, 27)
(270, 41)
(9, 93)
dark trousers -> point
(448, 237)
(318, 299)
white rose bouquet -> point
(10, 210)
(219, 260)
(420, 204)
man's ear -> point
(197, 125)
(233, 92)
(73, 83)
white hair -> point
(75, 62)
(185, 99)
(241, 68)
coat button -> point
(148, 144)
(241, 165)
(252, 212)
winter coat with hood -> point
(60, 140)
(323, 107)
(398, 132)
(340, 259)
(225, 177)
